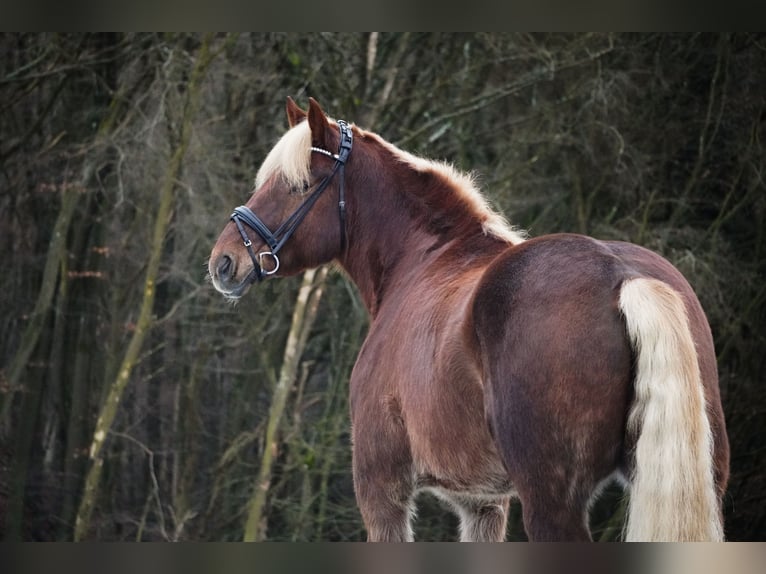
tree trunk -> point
(305, 311)
(145, 318)
(22, 441)
(56, 251)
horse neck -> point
(390, 247)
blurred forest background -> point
(136, 404)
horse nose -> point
(225, 269)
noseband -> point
(275, 241)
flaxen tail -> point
(672, 494)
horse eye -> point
(300, 189)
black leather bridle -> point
(276, 240)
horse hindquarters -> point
(591, 368)
(556, 367)
(673, 494)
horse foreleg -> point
(384, 481)
(386, 522)
(387, 507)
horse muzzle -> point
(227, 276)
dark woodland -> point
(136, 404)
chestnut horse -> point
(495, 367)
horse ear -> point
(295, 115)
(318, 124)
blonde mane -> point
(465, 186)
(290, 158)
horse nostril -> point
(225, 268)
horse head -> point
(295, 217)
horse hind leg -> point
(555, 484)
(482, 520)
(551, 518)
(555, 472)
